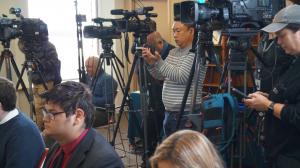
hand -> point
(149, 57)
(257, 101)
(263, 93)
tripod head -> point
(5, 44)
(106, 45)
(140, 39)
(108, 53)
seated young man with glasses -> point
(68, 118)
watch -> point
(271, 106)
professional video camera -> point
(229, 14)
(101, 32)
(26, 28)
(132, 23)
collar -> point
(70, 147)
(11, 114)
(186, 49)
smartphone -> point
(240, 93)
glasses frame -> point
(50, 115)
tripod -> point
(110, 57)
(239, 44)
(204, 45)
(138, 62)
(8, 56)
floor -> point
(130, 157)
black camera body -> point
(9, 29)
(131, 21)
(142, 26)
(229, 14)
(27, 29)
(101, 32)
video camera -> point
(101, 32)
(27, 29)
(228, 14)
(131, 21)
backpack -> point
(219, 119)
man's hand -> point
(257, 101)
(149, 57)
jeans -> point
(170, 122)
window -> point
(59, 15)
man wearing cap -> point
(282, 103)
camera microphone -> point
(126, 13)
(118, 11)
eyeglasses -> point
(50, 115)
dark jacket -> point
(104, 88)
(92, 152)
(283, 135)
(46, 62)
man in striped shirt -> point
(175, 71)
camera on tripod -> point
(229, 14)
(101, 31)
(131, 21)
(9, 27)
(27, 29)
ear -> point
(79, 116)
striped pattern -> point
(175, 71)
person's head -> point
(186, 149)
(155, 40)
(91, 64)
(68, 110)
(286, 26)
(183, 34)
(8, 96)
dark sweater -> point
(21, 144)
(283, 135)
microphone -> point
(118, 12)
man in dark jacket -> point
(68, 118)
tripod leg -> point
(118, 70)
(119, 77)
(186, 93)
(29, 98)
(1, 60)
(22, 73)
(124, 100)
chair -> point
(43, 158)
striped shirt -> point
(175, 71)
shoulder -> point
(102, 152)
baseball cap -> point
(289, 14)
